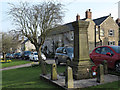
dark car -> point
(109, 53)
(25, 55)
(17, 55)
(8, 55)
(63, 54)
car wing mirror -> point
(108, 53)
(64, 52)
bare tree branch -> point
(36, 20)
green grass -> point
(112, 85)
(14, 63)
(27, 77)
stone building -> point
(27, 46)
(101, 31)
(107, 31)
(118, 22)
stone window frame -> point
(111, 32)
(72, 36)
(102, 32)
(97, 31)
(111, 42)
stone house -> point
(27, 45)
(107, 31)
(118, 22)
(101, 31)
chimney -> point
(118, 20)
(77, 17)
(88, 14)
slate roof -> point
(98, 21)
(62, 29)
(68, 27)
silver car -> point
(63, 54)
(34, 56)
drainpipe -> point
(95, 35)
(99, 35)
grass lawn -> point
(113, 86)
(28, 77)
(14, 63)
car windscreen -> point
(70, 50)
(27, 52)
(35, 53)
(116, 48)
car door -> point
(104, 56)
(96, 56)
(31, 56)
(64, 55)
(59, 54)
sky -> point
(99, 8)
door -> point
(96, 56)
(104, 56)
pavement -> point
(48, 61)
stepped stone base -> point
(84, 83)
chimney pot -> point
(88, 14)
(77, 17)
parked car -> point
(109, 53)
(34, 56)
(25, 55)
(8, 55)
(63, 54)
(17, 55)
(12, 55)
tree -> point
(36, 20)
(8, 42)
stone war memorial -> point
(81, 62)
(78, 72)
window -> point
(72, 36)
(105, 50)
(96, 30)
(102, 32)
(59, 50)
(116, 48)
(64, 51)
(98, 50)
(111, 43)
(111, 32)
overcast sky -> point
(99, 8)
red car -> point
(109, 53)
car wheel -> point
(117, 67)
(57, 62)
